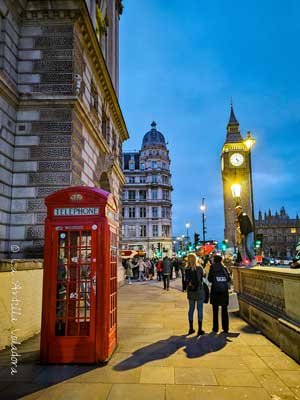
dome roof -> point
(153, 137)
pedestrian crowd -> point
(204, 279)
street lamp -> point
(236, 190)
(250, 142)
(187, 225)
(203, 209)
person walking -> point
(141, 266)
(195, 292)
(247, 235)
(159, 269)
(220, 279)
(166, 271)
(128, 272)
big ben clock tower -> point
(236, 169)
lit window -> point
(293, 230)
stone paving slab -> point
(156, 360)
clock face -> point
(236, 159)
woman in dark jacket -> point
(195, 292)
(219, 296)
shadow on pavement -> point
(193, 347)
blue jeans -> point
(192, 304)
(249, 246)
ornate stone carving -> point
(54, 165)
(55, 139)
(267, 290)
(49, 153)
(35, 232)
(50, 126)
(45, 191)
(46, 178)
(36, 205)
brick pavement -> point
(156, 360)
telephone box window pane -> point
(60, 309)
(86, 239)
(61, 270)
(73, 291)
(60, 328)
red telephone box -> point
(79, 313)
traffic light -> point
(158, 247)
(259, 240)
(224, 245)
(196, 238)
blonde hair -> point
(192, 260)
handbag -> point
(206, 292)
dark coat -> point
(245, 224)
(193, 282)
(166, 266)
(218, 299)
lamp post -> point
(203, 209)
(187, 225)
(250, 142)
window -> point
(165, 179)
(143, 212)
(165, 212)
(131, 179)
(123, 212)
(165, 194)
(94, 97)
(143, 230)
(131, 194)
(131, 165)
(124, 195)
(142, 166)
(154, 178)
(164, 165)
(131, 231)
(154, 212)
(154, 194)
(142, 179)
(154, 164)
(154, 230)
(166, 230)
(142, 195)
(131, 212)
(293, 230)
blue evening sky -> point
(181, 62)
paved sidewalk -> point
(155, 359)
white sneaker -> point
(253, 263)
(130, 283)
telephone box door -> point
(74, 294)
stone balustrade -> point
(269, 300)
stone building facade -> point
(147, 205)
(60, 119)
(235, 166)
(280, 233)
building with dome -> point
(147, 205)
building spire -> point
(232, 118)
(233, 128)
(153, 125)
